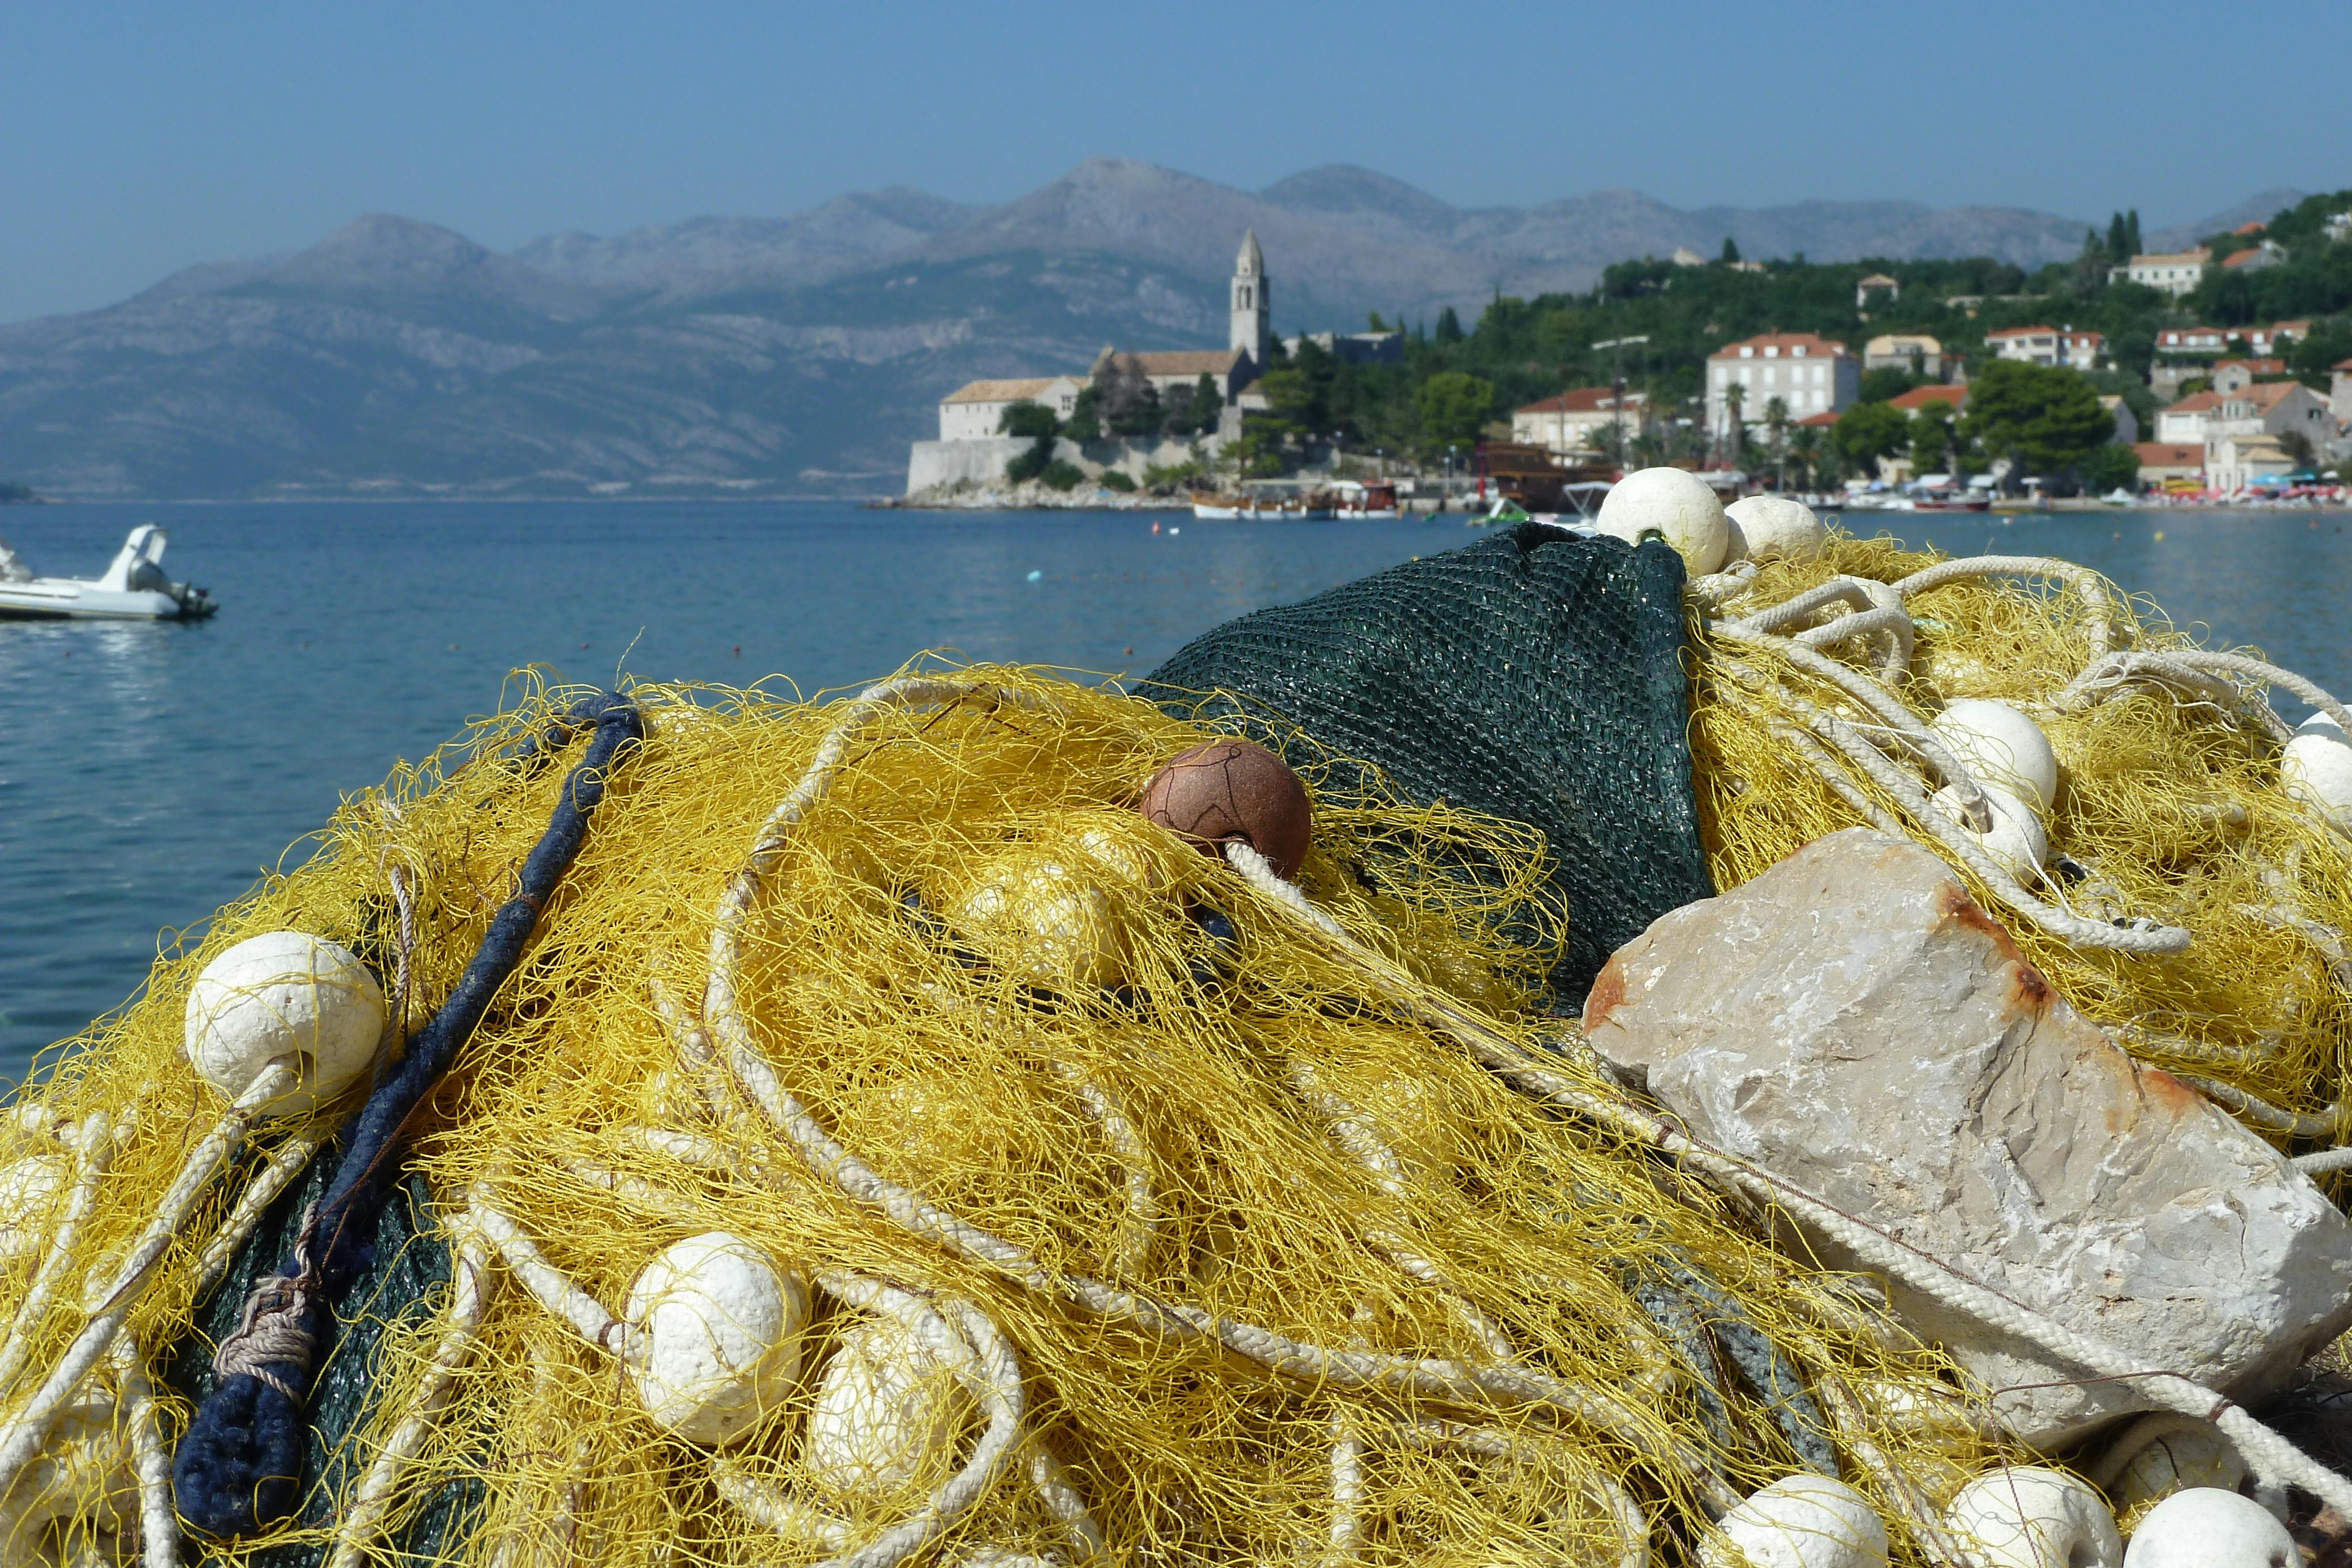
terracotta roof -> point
(1918, 397)
(1188, 361)
(1000, 390)
(2195, 403)
(2200, 253)
(2169, 455)
(2262, 394)
(1878, 280)
(2302, 326)
(2023, 332)
(2254, 367)
(1814, 343)
(1902, 343)
(2240, 258)
(1824, 419)
(1579, 400)
(2341, 364)
(2256, 227)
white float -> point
(887, 1409)
(2016, 841)
(1678, 506)
(1799, 1521)
(2023, 1516)
(1045, 917)
(2185, 1458)
(721, 1343)
(2207, 1528)
(29, 1189)
(2001, 746)
(2316, 769)
(285, 993)
(1773, 528)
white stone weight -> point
(1773, 528)
(2208, 1528)
(2180, 1459)
(2316, 769)
(2022, 1516)
(1675, 504)
(285, 993)
(1799, 1521)
(887, 1410)
(721, 1329)
(2001, 746)
(2015, 842)
(28, 1191)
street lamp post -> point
(1617, 387)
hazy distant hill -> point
(789, 354)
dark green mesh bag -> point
(1535, 674)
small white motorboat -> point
(133, 588)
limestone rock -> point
(1853, 1022)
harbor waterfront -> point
(156, 770)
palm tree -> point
(1806, 447)
(1735, 435)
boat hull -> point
(55, 599)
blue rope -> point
(239, 1469)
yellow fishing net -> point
(2169, 808)
(1271, 1269)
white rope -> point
(2088, 585)
(2137, 1439)
(360, 1527)
(285, 1162)
(93, 1147)
(2324, 1162)
(2111, 676)
(151, 1457)
(1140, 1225)
(22, 1437)
(2266, 1116)
(550, 1286)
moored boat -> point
(132, 588)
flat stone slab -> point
(1853, 1022)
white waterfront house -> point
(1896, 351)
(1811, 374)
(975, 411)
(1564, 424)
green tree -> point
(1453, 406)
(1029, 421)
(1730, 251)
(1869, 431)
(1931, 438)
(1887, 382)
(1196, 415)
(1061, 476)
(2111, 467)
(2297, 448)
(1085, 422)
(2131, 234)
(2118, 239)
(1805, 453)
(1735, 423)
(2045, 419)
(1449, 326)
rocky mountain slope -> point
(783, 355)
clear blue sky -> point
(136, 138)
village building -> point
(2233, 374)
(1353, 348)
(975, 411)
(2276, 336)
(1811, 374)
(2193, 340)
(2047, 345)
(2163, 463)
(1876, 283)
(2269, 253)
(2240, 430)
(1918, 397)
(1903, 351)
(1565, 425)
(2175, 272)
(2339, 391)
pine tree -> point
(2131, 233)
(1449, 326)
(2118, 239)
(1730, 250)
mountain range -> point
(795, 354)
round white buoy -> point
(1799, 1521)
(285, 993)
(2022, 1516)
(29, 1189)
(722, 1336)
(1674, 504)
(2205, 1527)
(1045, 917)
(2191, 1456)
(2001, 746)
(887, 1407)
(1773, 528)
(2316, 769)
(2016, 842)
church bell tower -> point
(1251, 332)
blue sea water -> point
(148, 774)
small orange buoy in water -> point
(1230, 790)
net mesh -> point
(1533, 675)
(1159, 1087)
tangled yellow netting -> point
(1300, 1279)
(2169, 810)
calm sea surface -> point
(149, 772)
